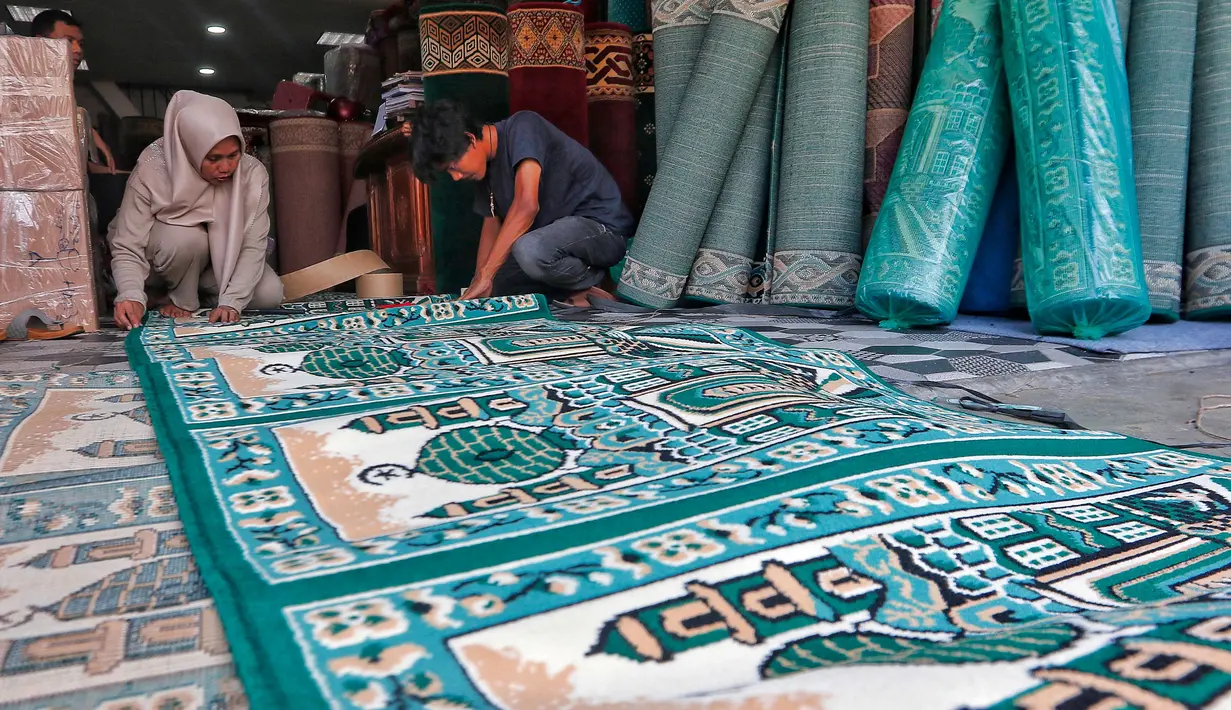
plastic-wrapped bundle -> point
(942, 186)
(1081, 243)
(353, 71)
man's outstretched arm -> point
(524, 210)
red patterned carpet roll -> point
(547, 68)
(307, 191)
(613, 105)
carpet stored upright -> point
(923, 245)
(819, 240)
(1207, 258)
(1160, 83)
(647, 133)
(466, 59)
(612, 100)
(1081, 243)
(547, 65)
(307, 190)
(679, 31)
(739, 41)
(891, 41)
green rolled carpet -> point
(940, 194)
(819, 240)
(465, 49)
(724, 262)
(1124, 15)
(1207, 261)
(1081, 243)
(629, 12)
(1160, 70)
(738, 44)
(679, 32)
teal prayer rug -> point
(469, 504)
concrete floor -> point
(1155, 399)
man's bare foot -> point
(173, 311)
(581, 299)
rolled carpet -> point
(679, 32)
(923, 246)
(1081, 243)
(1160, 70)
(612, 103)
(647, 134)
(307, 190)
(739, 41)
(988, 290)
(891, 42)
(466, 59)
(352, 136)
(819, 244)
(1124, 16)
(723, 266)
(1207, 261)
(630, 13)
(547, 65)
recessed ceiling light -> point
(206, 71)
(216, 30)
(337, 39)
(83, 66)
(22, 13)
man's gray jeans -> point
(569, 255)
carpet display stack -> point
(734, 55)
(610, 92)
(1207, 258)
(891, 42)
(307, 190)
(547, 65)
(466, 59)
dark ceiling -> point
(164, 42)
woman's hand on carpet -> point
(224, 314)
(128, 314)
(173, 311)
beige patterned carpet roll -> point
(307, 190)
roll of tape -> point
(380, 285)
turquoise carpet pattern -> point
(471, 505)
(723, 267)
(940, 195)
(1160, 71)
(1081, 243)
(1207, 257)
(739, 42)
(819, 241)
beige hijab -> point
(194, 124)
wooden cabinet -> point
(399, 210)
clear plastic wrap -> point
(45, 251)
(940, 193)
(1081, 242)
(353, 71)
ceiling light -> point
(337, 39)
(216, 30)
(83, 66)
(21, 13)
(205, 71)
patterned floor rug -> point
(474, 505)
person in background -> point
(57, 24)
(195, 220)
(554, 221)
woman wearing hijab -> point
(194, 220)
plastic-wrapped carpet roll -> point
(991, 276)
(941, 191)
(1160, 71)
(1081, 243)
(1207, 260)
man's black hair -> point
(438, 136)
(44, 23)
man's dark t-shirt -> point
(573, 182)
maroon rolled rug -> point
(547, 67)
(613, 105)
(307, 190)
